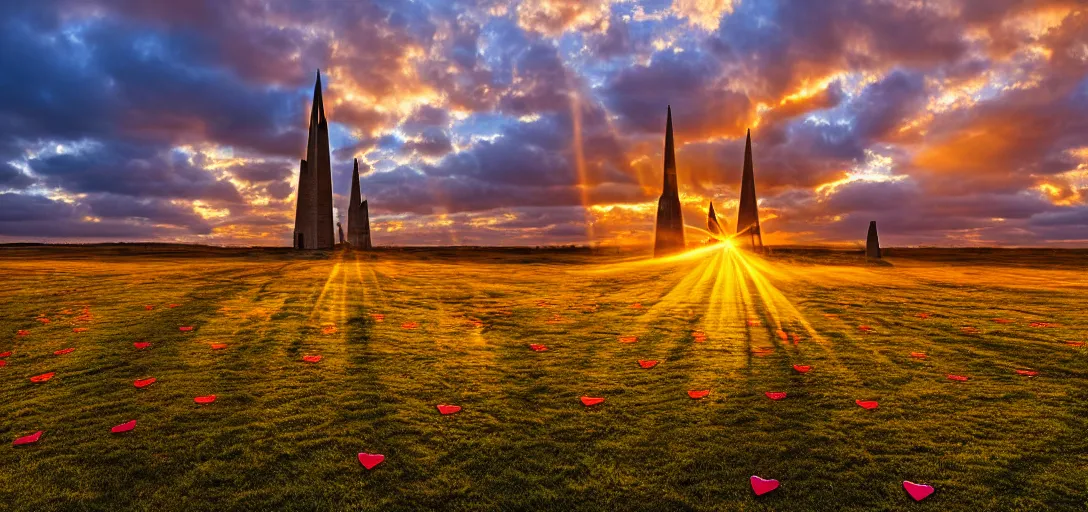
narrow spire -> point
(670, 155)
(317, 112)
(748, 208)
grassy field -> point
(284, 434)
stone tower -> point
(748, 210)
(358, 216)
(872, 243)
(313, 211)
(712, 224)
(669, 231)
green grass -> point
(284, 434)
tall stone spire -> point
(358, 217)
(748, 210)
(872, 243)
(712, 224)
(669, 231)
(313, 214)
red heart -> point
(918, 355)
(775, 395)
(378, 317)
(1070, 343)
(477, 323)
(5, 354)
(761, 486)
(960, 378)
(697, 394)
(140, 345)
(31, 439)
(43, 377)
(218, 346)
(409, 325)
(186, 328)
(865, 328)
(43, 320)
(923, 316)
(171, 306)
(590, 401)
(801, 368)
(637, 305)
(831, 315)
(3, 363)
(866, 404)
(1027, 373)
(143, 383)
(917, 491)
(204, 399)
(22, 332)
(311, 359)
(328, 329)
(124, 427)
(647, 364)
(628, 339)
(698, 336)
(448, 409)
(782, 335)
(369, 460)
(752, 323)
(538, 348)
(149, 307)
(969, 330)
(79, 329)
(64, 351)
(1044, 324)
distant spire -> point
(712, 224)
(748, 209)
(872, 243)
(317, 112)
(670, 155)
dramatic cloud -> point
(950, 122)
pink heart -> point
(143, 383)
(1027, 373)
(124, 427)
(917, 491)
(647, 364)
(140, 345)
(775, 395)
(202, 400)
(448, 409)
(6, 354)
(960, 378)
(64, 351)
(761, 486)
(590, 401)
(43, 377)
(185, 328)
(31, 439)
(369, 460)
(801, 368)
(866, 404)
(538, 348)
(697, 394)
(312, 359)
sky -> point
(482, 122)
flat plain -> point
(401, 331)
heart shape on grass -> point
(409, 325)
(218, 346)
(538, 348)
(628, 339)
(143, 383)
(960, 378)
(124, 427)
(378, 317)
(762, 486)
(698, 394)
(204, 400)
(43, 377)
(917, 491)
(1027, 373)
(369, 460)
(185, 328)
(775, 395)
(22, 332)
(918, 355)
(140, 345)
(6, 354)
(3, 363)
(867, 404)
(1075, 344)
(311, 359)
(591, 401)
(865, 328)
(647, 364)
(31, 439)
(448, 409)
(79, 329)
(64, 351)
(802, 368)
